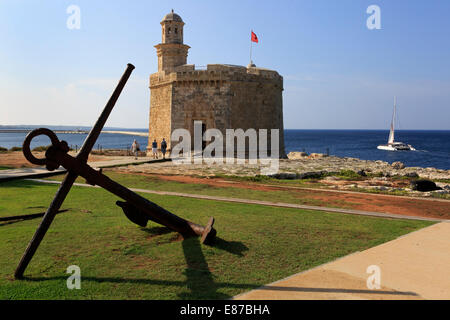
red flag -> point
(254, 37)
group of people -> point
(155, 148)
(135, 148)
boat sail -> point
(392, 145)
(391, 133)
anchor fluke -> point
(133, 213)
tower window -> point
(168, 31)
(176, 30)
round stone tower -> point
(171, 52)
(222, 97)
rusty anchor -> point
(137, 209)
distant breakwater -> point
(133, 133)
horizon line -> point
(119, 127)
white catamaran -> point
(393, 145)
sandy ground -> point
(358, 201)
(16, 159)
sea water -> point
(433, 147)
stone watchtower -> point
(221, 96)
(171, 52)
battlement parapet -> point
(216, 72)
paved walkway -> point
(414, 266)
(21, 173)
(39, 172)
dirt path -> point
(357, 201)
(16, 159)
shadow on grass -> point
(206, 294)
(18, 218)
(5, 223)
(234, 247)
(201, 291)
(199, 279)
(19, 183)
(157, 231)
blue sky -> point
(337, 73)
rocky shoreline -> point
(327, 170)
(298, 166)
(317, 161)
(369, 175)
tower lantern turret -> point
(171, 51)
(172, 28)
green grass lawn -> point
(5, 168)
(119, 260)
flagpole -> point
(251, 45)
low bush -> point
(348, 174)
(41, 148)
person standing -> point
(155, 149)
(135, 148)
(164, 147)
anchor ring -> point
(26, 144)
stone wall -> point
(258, 104)
(206, 101)
(222, 97)
(160, 114)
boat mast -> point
(391, 133)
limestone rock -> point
(398, 165)
(444, 186)
(331, 178)
(441, 191)
(411, 175)
(317, 155)
(294, 155)
(304, 168)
